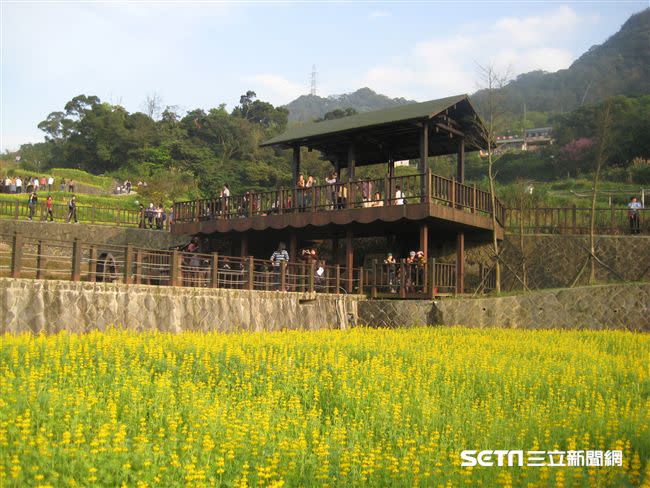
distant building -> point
(533, 140)
(405, 162)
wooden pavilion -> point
(429, 207)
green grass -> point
(126, 202)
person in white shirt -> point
(19, 185)
(399, 196)
(50, 182)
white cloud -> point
(444, 66)
(275, 88)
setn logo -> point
(487, 458)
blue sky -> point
(200, 54)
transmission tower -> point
(312, 90)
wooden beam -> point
(450, 130)
(293, 246)
(460, 262)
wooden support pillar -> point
(335, 250)
(214, 283)
(351, 162)
(128, 265)
(390, 192)
(424, 240)
(424, 147)
(76, 260)
(92, 264)
(243, 245)
(349, 260)
(293, 246)
(175, 274)
(337, 168)
(295, 165)
(460, 262)
(460, 169)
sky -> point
(198, 54)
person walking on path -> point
(33, 200)
(72, 209)
(49, 204)
(633, 214)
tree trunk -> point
(495, 242)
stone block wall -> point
(95, 234)
(554, 261)
(624, 306)
(51, 306)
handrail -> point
(92, 214)
(418, 188)
(576, 220)
(28, 257)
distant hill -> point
(619, 66)
(309, 107)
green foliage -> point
(338, 113)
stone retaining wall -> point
(590, 307)
(95, 234)
(51, 306)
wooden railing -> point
(19, 209)
(24, 257)
(418, 188)
(574, 220)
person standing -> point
(308, 191)
(300, 192)
(19, 185)
(33, 200)
(633, 215)
(72, 209)
(277, 258)
(50, 183)
(142, 224)
(331, 181)
(399, 196)
(225, 198)
(49, 205)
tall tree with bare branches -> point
(492, 111)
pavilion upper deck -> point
(423, 197)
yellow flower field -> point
(331, 408)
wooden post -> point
(474, 198)
(214, 282)
(349, 259)
(251, 273)
(427, 186)
(175, 268)
(302, 276)
(351, 164)
(76, 260)
(431, 278)
(402, 280)
(453, 192)
(293, 245)
(283, 276)
(361, 280)
(424, 239)
(128, 264)
(92, 265)
(281, 201)
(138, 266)
(243, 245)
(460, 167)
(424, 153)
(40, 261)
(295, 166)
(575, 217)
(391, 175)
(460, 262)
(373, 287)
(338, 279)
(312, 272)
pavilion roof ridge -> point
(401, 113)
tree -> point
(152, 106)
(486, 132)
(337, 114)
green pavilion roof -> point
(399, 114)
